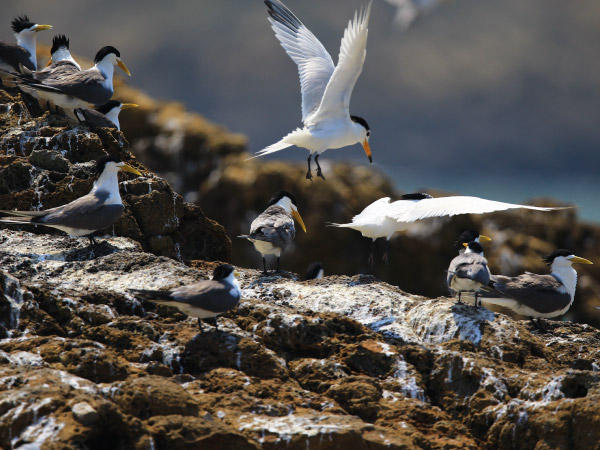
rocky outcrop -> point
(342, 362)
(47, 160)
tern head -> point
(60, 49)
(365, 134)
(223, 271)
(314, 271)
(287, 202)
(113, 55)
(563, 258)
(23, 26)
(113, 164)
(473, 247)
(112, 104)
(469, 236)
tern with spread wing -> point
(273, 230)
(382, 219)
(468, 272)
(23, 53)
(326, 88)
(204, 299)
(537, 296)
(82, 217)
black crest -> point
(104, 51)
(555, 254)
(103, 161)
(313, 270)
(60, 40)
(465, 236)
(475, 247)
(279, 195)
(223, 271)
(21, 23)
(416, 196)
(105, 109)
(360, 121)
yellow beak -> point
(42, 27)
(483, 238)
(129, 105)
(128, 168)
(465, 244)
(123, 67)
(236, 273)
(49, 62)
(367, 148)
(577, 259)
(296, 215)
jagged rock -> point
(340, 362)
(46, 163)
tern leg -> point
(200, 325)
(264, 266)
(278, 264)
(309, 173)
(92, 240)
(385, 254)
(319, 173)
(476, 304)
(539, 325)
(459, 301)
(372, 254)
(212, 320)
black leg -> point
(459, 301)
(278, 264)
(319, 173)
(309, 173)
(200, 325)
(264, 266)
(385, 254)
(92, 240)
(372, 254)
(476, 296)
(213, 320)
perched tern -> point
(79, 88)
(537, 296)
(60, 53)
(82, 217)
(468, 272)
(326, 89)
(314, 271)
(382, 219)
(204, 299)
(273, 230)
(104, 116)
(23, 53)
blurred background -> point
(481, 97)
(475, 97)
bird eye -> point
(368, 134)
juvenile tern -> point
(468, 271)
(382, 219)
(326, 89)
(82, 217)
(77, 89)
(23, 53)
(537, 296)
(273, 230)
(104, 116)
(204, 299)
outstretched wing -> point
(375, 209)
(315, 65)
(452, 206)
(336, 99)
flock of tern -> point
(85, 95)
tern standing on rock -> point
(23, 53)
(538, 296)
(82, 217)
(104, 116)
(273, 230)
(326, 89)
(468, 272)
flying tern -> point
(537, 296)
(273, 230)
(326, 88)
(82, 217)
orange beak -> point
(367, 148)
(49, 62)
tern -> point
(273, 230)
(104, 116)
(79, 88)
(468, 272)
(60, 53)
(382, 219)
(326, 89)
(469, 236)
(23, 53)
(537, 296)
(204, 299)
(314, 271)
(82, 217)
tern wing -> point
(452, 206)
(376, 209)
(87, 85)
(13, 55)
(315, 65)
(336, 99)
(471, 266)
(210, 295)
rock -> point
(84, 413)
